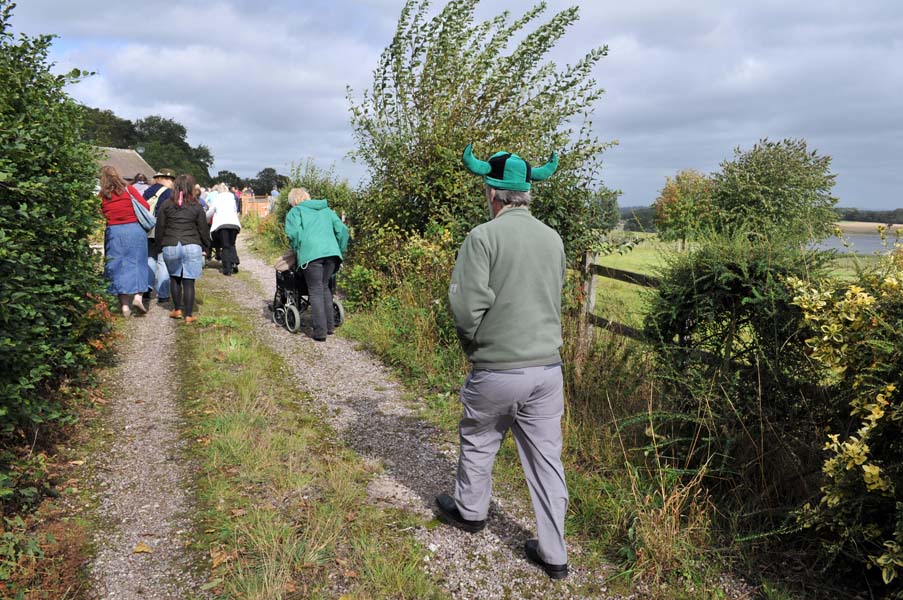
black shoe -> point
(553, 571)
(235, 268)
(320, 339)
(448, 512)
(162, 300)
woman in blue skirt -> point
(125, 241)
(184, 237)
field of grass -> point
(627, 303)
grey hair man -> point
(505, 295)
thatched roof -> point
(128, 162)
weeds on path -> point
(283, 505)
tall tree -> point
(684, 207)
(165, 145)
(266, 180)
(103, 128)
(162, 130)
(229, 178)
(448, 81)
(779, 190)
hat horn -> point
(474, 164)
(547, 170)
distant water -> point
(860, 243)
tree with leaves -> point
(165, 145)
(267, 179)
(684, 207)
(103, 128)
(446, 81)
(780, 190)
(229, 178)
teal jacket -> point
(315, 231)
(505, 292)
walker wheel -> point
(279, 316)
(338, 313)
(292, 318)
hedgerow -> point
(51, 280)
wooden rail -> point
(628, 276)
(591, 270)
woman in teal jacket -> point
(318, 238)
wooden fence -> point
(255, 204)
(591, 270)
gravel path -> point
(142, 474)
(367, 407)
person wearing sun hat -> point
(505, 296)
(157, 194)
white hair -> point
(510, 197)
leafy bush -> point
(48, 209)
(779, 189)
(321, 183)
(854, 331)
(446, 81)
(739, 401)
(361, 286)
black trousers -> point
(224, 238)
(317, 275)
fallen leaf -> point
(350, 574)
(219, 557)
(237, 512)
(210, 531)
(142, 548)
(76, 463)
(290, 587)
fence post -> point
(589, 283)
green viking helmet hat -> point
(507, 171)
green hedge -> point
(49, 278)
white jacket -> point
(223, 211)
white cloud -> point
(263, 83)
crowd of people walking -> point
(190, 225)
(158, 236)
(504, 295)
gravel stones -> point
(144, 483)
(367, 407)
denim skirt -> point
(184, 261)
(125, 251)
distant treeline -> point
(642, 218)
(870, 216)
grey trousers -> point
(530, 402)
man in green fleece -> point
(505, 294)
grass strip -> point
(283, 505)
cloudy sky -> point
(262, 83)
